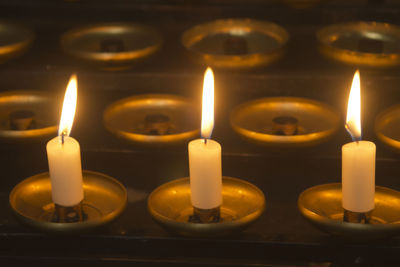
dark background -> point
(281, 237)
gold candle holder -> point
(361, 43)
(170, 205)
(26, 116)
(104, 199)
(152, 119)
(321, 205)
(15, 40)
(284, 121)
(110, 46)
(235, 43)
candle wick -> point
(355, 139)
(62, 137)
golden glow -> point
(353, 120)
(207, 112)
(69, 106)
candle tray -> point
(44, 122)
(14, 40)
(132, 119)
(362, 43)
(387, 127)
(170, 206)
(254, 121)
(322, 206)
(111, 46)
(236, 43)
(104, 199)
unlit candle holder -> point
(170, 206)
(321, 205)
(104, 199)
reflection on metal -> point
(111, 46)
(322, 206)
(171, 207)
(236, 43)
(153, 119)
(371, 44)
(14, 40)
(27, 115)
(387, 127)
(312, 122)
(105, 199)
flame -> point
(353, 120)
(207, 113)
(69, 107)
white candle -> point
(358, 159)
(205, 156)
(64, 155)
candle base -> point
(357, 217)
(69, 214)
(205, 215)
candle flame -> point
(69, 107)
(207, 113)
(353, 120)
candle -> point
(358, 159)
(205, 155)
(64, 155)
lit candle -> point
(358, 159)
(205, 155)
(64, 155)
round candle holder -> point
(387, 127)
(27, 116)
(111, 46)
(364, 43)
(14, 40)
(284, 121)
(322, 206)
(236, 43)
(153, 119)
(170, 206)
(104, 199)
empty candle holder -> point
(170, 205)
(321, 205)
(111, 46)
(387, 127)
(26, 116)
(153, 119)
(236, 43)
(14, 40)
(104, 199)
(284, 121)
(371, 44)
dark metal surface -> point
(281, 236)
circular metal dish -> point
(236, 43)
(104, 199)
(322, 206)
(171, 207)
(14, 40)
(254, 121)
(126, 118)
(111, 46)
(387, 127)
(40, 103)
(362, 43)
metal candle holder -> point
(170, 206)
(321, 205)
(104, 199)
